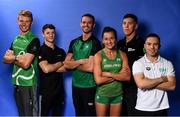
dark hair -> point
(153, 35)
(89, 15)
(109, 29)
(129, 15)
(50, 26)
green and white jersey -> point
(24, 77)
(81, 50)
(114, 66)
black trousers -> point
(84, 101)
(129, 101)
(26, 100)
(51, 105)
(153, 113)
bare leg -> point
(115, 109)
(102, 109)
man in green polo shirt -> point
(80, 59)
(23, 55)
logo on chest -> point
(148, 68)
(59, 55)
(110, 64)
(84, 47)
(131, 49)
(162, 70)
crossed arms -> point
(23, 61)
(106, 77)
(85, 65)
(162, 83)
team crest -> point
(104, 60)
(162, 69)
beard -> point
(87, 30)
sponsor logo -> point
(148, 68)
(131, 49)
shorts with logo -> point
(108, 100)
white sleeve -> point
(171, 71)
(137, 68)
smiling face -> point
(24, 23)
(152, 46)
(109, 40)
(49, 35)
(129, 26)
(87, 24)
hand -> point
(9, 55)
(164, 78)
(9, 52)
(125, 70)
(59, 64)
(20, 58)
(67, 62)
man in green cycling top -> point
(23, 55)
(80, 59)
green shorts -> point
(108, 100)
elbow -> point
(141, 86)
(5, 62)
(45, 70)
(98, 82)
(172, 88)
(90, 69)
(128, 78)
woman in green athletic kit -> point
(110, 68)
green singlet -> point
(114, 66)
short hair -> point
(109, 29)
(153, 35)
(26, 13)
(130, 15)
(50, 26)
(89, 15)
